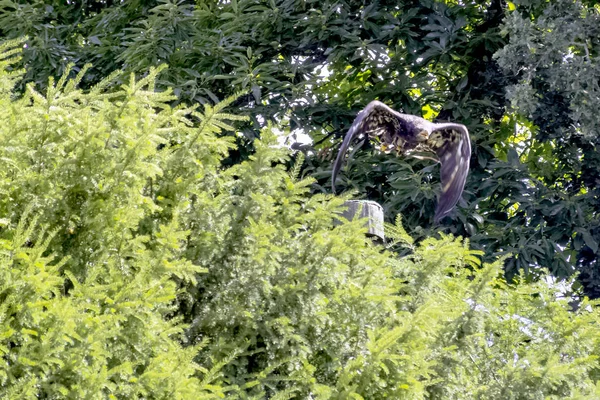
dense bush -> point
(521, 74)
(84, 294)
(133, 264)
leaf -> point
(590, 241)
(462, 84)
(95, 40)
(428, 112)
(256, 93)
(513, 157)
(226, 15)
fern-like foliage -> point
(133, 264)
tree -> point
(135, 265)
(86, 306)
(553, 52)
(531, 191)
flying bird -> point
(448, 143)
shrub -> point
(133, 264)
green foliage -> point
(87, 292)
(291, 291)
(557, 53)
(299, 306)
(553, 54)
(134, 263)
(107, 337)
(521, 75)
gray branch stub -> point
(370, 210)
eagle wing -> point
(449, 141)
(452, 145)
(375, 119)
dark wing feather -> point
(453, 147)
(375, 117)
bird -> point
(409, 135)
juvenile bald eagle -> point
(448, 143)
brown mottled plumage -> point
(406, 133)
